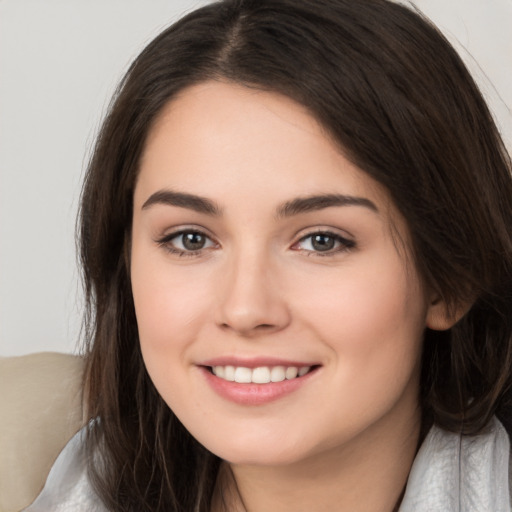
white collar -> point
(460, 473)
(450, 474)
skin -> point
(346, 438)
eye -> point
(186, 242)
(323, 242)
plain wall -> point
(59, 63)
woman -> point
(297, 250)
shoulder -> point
(68, 487)
(453, 472)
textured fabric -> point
(67, 488)
(450, 474)
(40, 411)
(460, 474)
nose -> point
(252, 302)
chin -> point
(261, 449)
(258, 457)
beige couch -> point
(40, 410)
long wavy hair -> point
(394, 94)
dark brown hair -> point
(402, 106)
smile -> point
(255, 383)
(259, 375)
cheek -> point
(169, 308)
(371, 316)
(169, 303)
(372, 323)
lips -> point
(256, 381)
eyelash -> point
(166, 242)
(344, 244)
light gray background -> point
(59, 63)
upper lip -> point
(255, 362)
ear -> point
(441, 317)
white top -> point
(451, 473)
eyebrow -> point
(288, 209)
(183, 200)
(321, 201)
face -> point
(279, 317)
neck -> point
(368, 474)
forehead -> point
(223, 140)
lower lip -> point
(254, 394)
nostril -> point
(259, 327)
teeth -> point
(260, 375)
(291, 372)
(278, 374)
(303, 371)
(229, 373)
(243, 375)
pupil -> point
(323, 242)
(193, 241)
